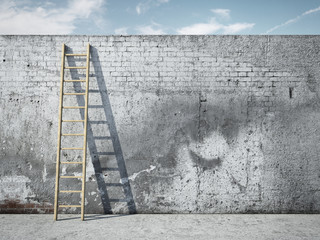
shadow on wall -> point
(95, 141)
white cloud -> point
(150, 30)
(143, 7)
(121, 31)
(225, 13)
(237, 27)
(15, 19)
(293, 20)
(213, 26)
(311, 11)
(201, 28)
(83, 8)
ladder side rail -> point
(59, 135)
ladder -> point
(60, 134)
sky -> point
(160, 17)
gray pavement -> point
(161, 226)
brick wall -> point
(186, 124)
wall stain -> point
(311, 83)
(203, 162)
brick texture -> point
(206, 124)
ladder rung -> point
(72, 120)
(69, 205)
(70, 191)
(74, 107)
(75, 67)
(74, 80)
(72, 134)
(71, 162)
(71, 148)
(75, 54)
(70, 176)
(74, 94)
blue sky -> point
(130, 17)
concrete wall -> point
(177, 124)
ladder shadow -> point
(95, 217)
(99, 217)
(96, 156)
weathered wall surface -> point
(177, 124)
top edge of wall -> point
(166, 35)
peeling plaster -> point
(133, 176)
(15, 187)
(44, 174)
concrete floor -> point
(159, 226)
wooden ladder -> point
(60, 134)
